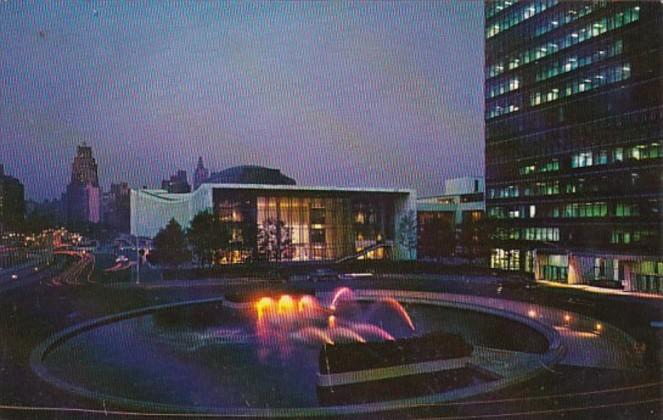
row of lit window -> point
(549, 166)
(527, 233)
(623, 236)
(528, 190)
(556, 68)
(506, 259)
(571, 210)
(590, 31)
(563, 17)
(519, 15)
(585, 159)
(503, 86)
(575, 62)
(649, 267)
(603, 77)
(504, 106)
(496, 6)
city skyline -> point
(293, 88)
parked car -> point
(323, 274)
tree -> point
(407, 231)
(170, 245)
(274, 241)
(207, 235)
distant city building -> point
(574, 140)
(82, 201)
(448, 223)
(177, 184)
(250, 174)
(200, 174)
(310, 223)
(12, 202)
(116, 208)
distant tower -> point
(83, 196)
(200, 174)
(84, 168)
(177, 184)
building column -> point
(537, 265)
(575, 275)
(628, 282)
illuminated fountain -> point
(305, 320)
(286, 350)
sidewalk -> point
(601, 290)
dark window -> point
(318, 236)
(317, 216)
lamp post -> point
(137, 262)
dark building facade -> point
(450, 224)
(116, 207)
(12, 202)
(177, 184)
(574, 117)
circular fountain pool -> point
(262, 357)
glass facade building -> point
(305, 225)
(288, 223)
(574, 140)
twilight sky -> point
(332, 93)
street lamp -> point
(137, 262)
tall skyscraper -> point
(82, 200)
(200, 174)
(177, 184)
(574, 134)
(12, 202)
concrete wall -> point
(151, 210)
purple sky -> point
(333, 93)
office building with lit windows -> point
(574, 140)
(289, 222)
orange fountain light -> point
(331, 321)
(286, 304)
(263, 305)
(306, 302)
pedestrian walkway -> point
(601, 290)
(587, 342)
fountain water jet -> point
(263, 305)
(307, 303)
(342, 334)
(337, 295)
(400, 309)
(370, 329)
(286, 304)
(313, 335)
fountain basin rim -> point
(555, 353)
